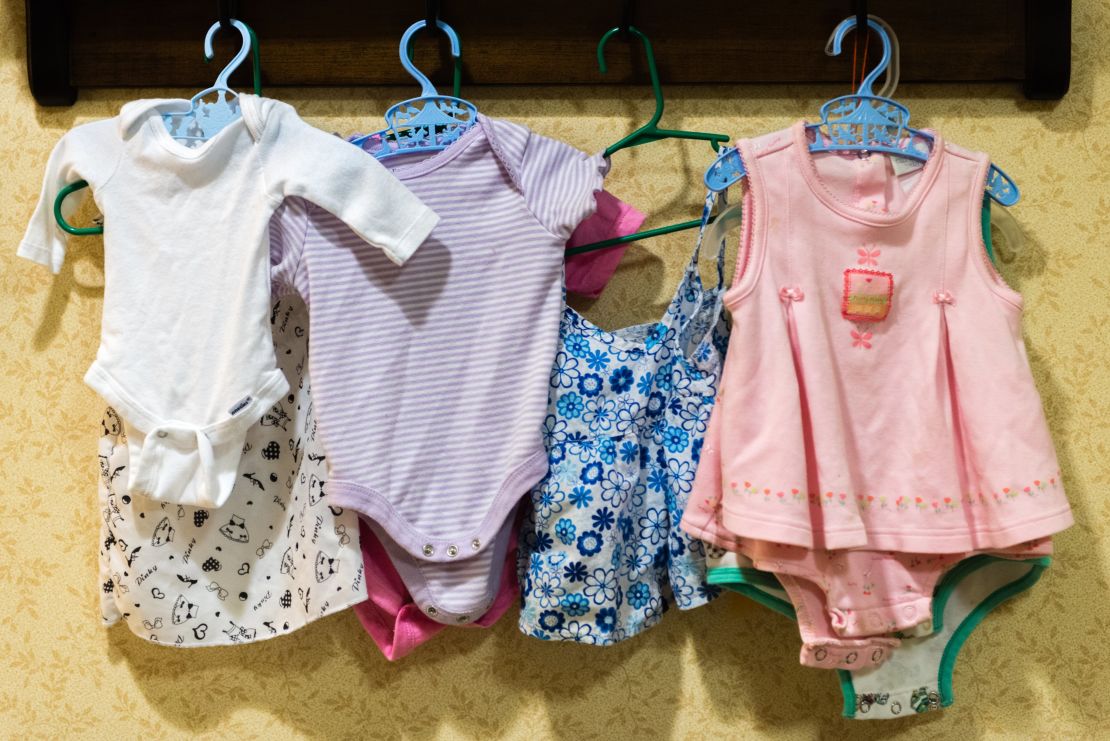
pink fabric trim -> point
(587, 274)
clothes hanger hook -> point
(653, 72)
(209, 53)
(842, 30)
(426, 87)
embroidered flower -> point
(591, 474)
(551, 620)
(589, 384)
(575, 605)
(861, 339)
(565, 531)
(565, 372)
(577, 345)
(629, 451)
(615, 488)
(606, 620)
(549, 589)
(653, 525)
(638, 595)
(676, 439)
(590, 542)
(620, 380)
(575, 571)
(601, 585)
(603, 519)
(570, 405)
(600, 415)
(868, 256)
(598, 360)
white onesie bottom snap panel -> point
(275, 557)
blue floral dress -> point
(602, 556)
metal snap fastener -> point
(820, 654)
(463, 619)
(851, 658)
(162, 433)
(429, 549)
(877, 654)
(475, 544)
(433, 611)
(452, 551)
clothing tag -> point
(239, 406)
(903, 165)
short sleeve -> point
(559, 183)
(588, 273)
(76, 156)
(299, 160)
(288, 229)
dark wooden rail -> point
(126, 43)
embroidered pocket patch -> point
(867, 295)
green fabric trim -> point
(971, 622)
(747, 581)
(848, 690)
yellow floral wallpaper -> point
(1039, 667)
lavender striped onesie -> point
(430, 379)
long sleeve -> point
(298, 160)
(83, 153)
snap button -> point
(429, 549)
(462, 619)
(850, 658)
(475, 544)
(432, 611)
(452, 551)
(909, 610)
(878, 654)
(820, 654)
(162, 433)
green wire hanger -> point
(73, 187)
(649, 132)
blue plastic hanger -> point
(863, 122)
(428, 123)
(208, 55)
(205, 118)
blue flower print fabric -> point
(602, 556)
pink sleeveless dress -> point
(878, 390)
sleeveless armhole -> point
(749, 255)
(977, 247)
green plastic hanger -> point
(72, 187)
(649, 132)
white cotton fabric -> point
(186, 356)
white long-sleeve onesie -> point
(186, 355)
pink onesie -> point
(877, 395)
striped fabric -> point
(430, 379)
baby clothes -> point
(186, 357)
(278, 555)
(391, 616)
(431, 401)
(916, 675)
(883, 398)
(627, 410)
(587, 274)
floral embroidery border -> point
(901, 503)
